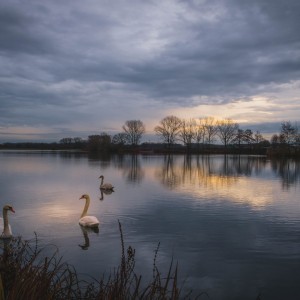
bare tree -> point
(239, 137)
(77, 140)
(258, 137)
(248, 136)
(134, 130)
(243, 136)
(66, 140)
(187, 131)
(210, 129)
(120, 138)
(99, 142)
(275, 139)
(169, 129)
(288, 132)
(227, 130)
(199, 131)
(282, 139)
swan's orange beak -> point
(12, 210)
(81, 197)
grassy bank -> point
(27, 273)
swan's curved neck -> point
(86, 207)
(102, 178)
(5, 221)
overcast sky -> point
(73, 68)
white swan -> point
(105, 186)
(6, 233)
(88, 221)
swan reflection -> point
(106, 192)
(86, 231)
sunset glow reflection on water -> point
(229, 221)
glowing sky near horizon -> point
(75, 68)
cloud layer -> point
(76, 67)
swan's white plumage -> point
(105, 186)
(87, 221)
(6, 228)
(8, 233)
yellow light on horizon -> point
(251, 110)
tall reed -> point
(28, 273)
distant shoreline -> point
(159, 149)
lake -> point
(231, 222)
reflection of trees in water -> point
(118, 161)
(132, 170)
(104, 159)
(70, 154)
(237, 165)
(288, 170)
(169, 174)
(213, 173)
(205, 170)
(129, 164)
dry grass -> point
(27, 273)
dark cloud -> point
(73, 54)
(19, 35)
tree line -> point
(173, 131)
(191, 134)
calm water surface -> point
(232, 223)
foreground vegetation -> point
(27, 273)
